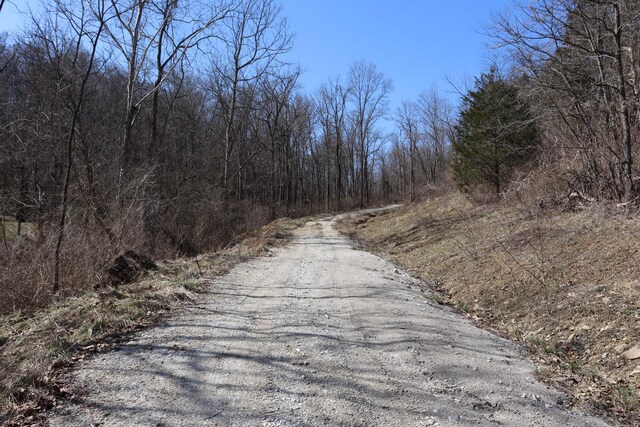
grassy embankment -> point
(565, 284)
(36, 349)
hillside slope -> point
(566, 284)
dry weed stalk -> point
(538, 266)
(472, 247)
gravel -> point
(317, 334)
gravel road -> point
(317, 334)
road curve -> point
(318, 334)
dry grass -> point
(27, 259)
(9, 229)
(565, 284)
(36, 349)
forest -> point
(168, 127)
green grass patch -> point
(625, 397)
(543, 345)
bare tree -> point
(435, 114)
(407, 121)
(137, 29)
(254, 40)
(91, 30)
(331, 101)
(279, 118)
(182, 27)
(369, 92)
(579, 57)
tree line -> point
(565, 115)
(169, 126)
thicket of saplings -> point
(169, 127)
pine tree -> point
(496, 133)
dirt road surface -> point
(318, 334)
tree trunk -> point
(625, 116)
(339, 171)
(67, 179)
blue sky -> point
(417, 43)
(10, 19)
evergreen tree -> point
(496, 132)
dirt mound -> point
(127, 268)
